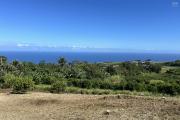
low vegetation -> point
(17, 83)
(63, 76)
(58, 86)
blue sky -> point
(90, 25)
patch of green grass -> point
(166, 68)
(76, 90)
(42, 87)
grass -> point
(166, 68)
(42, 87)
(76, 90)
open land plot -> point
(47, 106)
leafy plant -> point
(59, 86)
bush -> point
(95, 91)
(19, 84)
(106, 84)
(22, 84)
(1, 77)
(8, 81)
(72, 90)
(159, 86)
(37, 79)
(42, 87)
(59, 86)
(86, 84)
(167, 89)
(46, 79)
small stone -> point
(163, 98)
(107, 112)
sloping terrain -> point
(47, 106)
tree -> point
(94, 71)
(156, 68)
(62, 61)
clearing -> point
(47, 106)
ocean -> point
(89, 57)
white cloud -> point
(52, 46)
(80, 47)
(22, 45)
(32, 45)
(150, 49)
(175, 4)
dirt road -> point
(47, 106)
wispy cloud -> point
(51, 46)
(175, 4)
(22, 45)
(31, 45)
(79, 47)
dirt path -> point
(47, 106)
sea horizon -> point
(52, 56)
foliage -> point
(58, 87)
(22, 84)
(174, 63)
(132, 76)
(19, 84)
(3, 60)
(62, 61)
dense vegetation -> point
(133, 76)
(175, 63)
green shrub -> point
(22, 84)
(95, 92)
(19, 84)
(167, 89)
(86, 84)
(8, 81)
(106, 84)
(1, 77)
(42, 87)
(116, 78)
(72, 90)
(58, 86)
(106, 92)
(155, 82)
(45, 79)
(37, 79)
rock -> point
(107, 112)
(163, 97)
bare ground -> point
(47, 106)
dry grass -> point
(47, 106)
